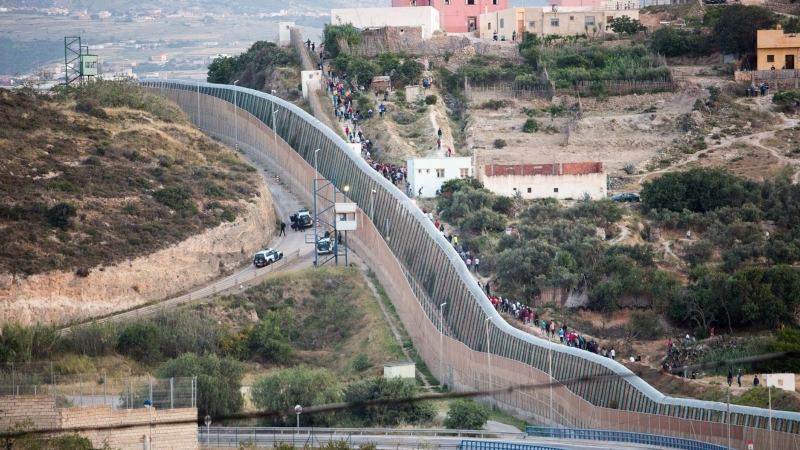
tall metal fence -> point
(403, 248)
(88, 389)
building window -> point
(489, 24)
(495, 2)
(470, 2)
(464, 173)
(532, 23)
(571, 17)
(419, 170)
(446, 2)
(609, 19)
(439, 173)
(770, 58)
(553, 22)
(589, 20)
(555, 190)
(502, 23)
(529, 190)
(413, 2)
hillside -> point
(88, 189)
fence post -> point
(105, 383)
(150, 382)
(80, 380)
(171, 394)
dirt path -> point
(754, 140)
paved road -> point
(404, 442)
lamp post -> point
(236, 114)
(275, 135)
(489, 359)
(441, 341)
(372, 206)
(208, 430)
(550, 370)
(297, 410)
(315, 163)
(198, 103)
(346, 190)
(316, 229)
(769, 393)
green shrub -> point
(219, 382)
(387, 415)
(499, 143)
(531, 126)
(281, 390)
(91, 107)
(141, 341)
(94, 338)
(60, 215)
(361, 362)
(494, 105)
(644, 325)
(431, 99)
(466, 414)
(177, 197)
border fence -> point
(89, 389)
(401, 245)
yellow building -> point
(777, 50)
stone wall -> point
(133, 424)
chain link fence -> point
(87, 389)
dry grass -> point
(109, 170)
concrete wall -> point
(429, 174)
(285, 32)
(399, 370)
(777, 50)
(425, 17)
(543, 21)
(311, 81)
(457, 15)
(165, 435)
(562, 181)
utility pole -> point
(441, 342)
(236, 115)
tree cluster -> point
(252, 67)
(282, 390)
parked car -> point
(266, 257)
(301, 220)
(626, 197)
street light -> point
(346, 190)
(315, 162)
(297, 410)
(550, 370)
(372, 206)
(236, 114)
(208, 430)
(489, 359)
(441, 341)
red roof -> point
(544, 169)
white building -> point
(426, 17)
(426, 175)
(783, 381)
(560, 180)
(400, 370)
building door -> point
(789, 62)
(471, 21)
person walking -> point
(469, 264)
(739, 377)
(730, 377)
(755, 381)
(477, 263)
(283, 229)
(439, 133)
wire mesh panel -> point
(97, 389)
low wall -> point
(133, 424)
